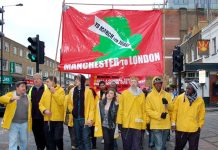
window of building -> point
(50, 64)
(21, 53)
(5, 65)
(15, 51)
(180, 2)
(214, 45)
(30, 71)
(27, 54)
(18, 68)
(47, 63)
(191, 75)
(192, 54)
(6, 47)
(46, 73)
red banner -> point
(112, 42)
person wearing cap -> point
(158, 105)
(83, 112)
(51, 106)
(188, 117)
(17, 117)
(35, 93)
(131, 116)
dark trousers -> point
(93, 137)
(54, 135)
(38, 132)
(108, 136)
(82, 134)
(131, 139)
(72, 136)
(191, 137)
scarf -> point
(192, 97)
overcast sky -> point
(43, 17)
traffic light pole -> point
(37, 62)
(179, 82)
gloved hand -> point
(164, 115)
(120, 128)
(164, 101)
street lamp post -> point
(2, 45)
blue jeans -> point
(82, 134)
(160, 138)
(18, 130)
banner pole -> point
(164, 35)
(115, 4)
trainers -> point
(102, 141)
(73, 147)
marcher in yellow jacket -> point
(51, 106)
(188, 117)
(68, 117)
(158, 105)
(131, 117)
(83, 112)
(17, 117)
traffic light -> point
(2, 22)
(177, 60)
(36, 49)
(41, 52)
(34, 41)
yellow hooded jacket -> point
(89, 104)
(56, 100)
(155, 107)
(68, 108)
(131, 111)
(188, 118)
(10, 111)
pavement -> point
(208, 139)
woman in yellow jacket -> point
(188, 117)
(68, 117)
(51, 106)
(17, 117)
(105, 119)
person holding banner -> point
(105, 119)
(83, 112)
(131, 117)
(51, 106)
(158, 105)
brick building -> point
(17, 66)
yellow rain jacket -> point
(188, 118)
(53, 102)
(155, 107)
(10, 111)
(68, 108)
(89, 104)
(131, 111)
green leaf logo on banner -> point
(116, 40)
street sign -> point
(12, 67)
(6, 79)
(202, 76)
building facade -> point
(17, 66)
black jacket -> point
(112, 113)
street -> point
(208, 140)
